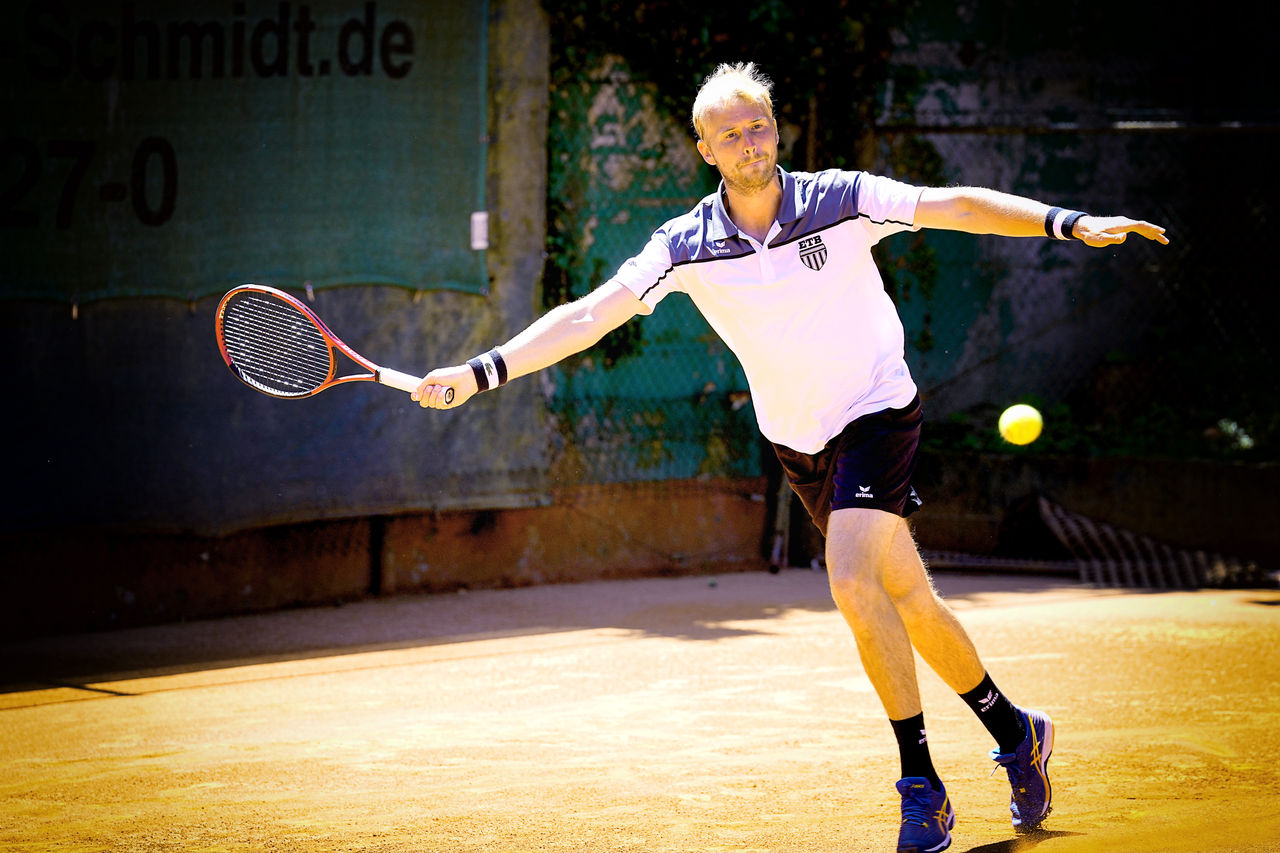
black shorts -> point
(869, 464)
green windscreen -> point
(177, 149)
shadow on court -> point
(675, 608)
(1022, 843)
(651, 715)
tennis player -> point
(780, 265)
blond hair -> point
(728, 83)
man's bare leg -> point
(933, 627)
(860, 545)
(862, 548)
(872, 560)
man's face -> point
(742, 142)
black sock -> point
(913, 748)
(997, 713)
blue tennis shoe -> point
(1028, 769)
(927, 817)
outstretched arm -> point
(558, 334)
(983, 211)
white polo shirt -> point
(806, 312)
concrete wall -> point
(62, 581)
(69, 581)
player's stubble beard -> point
(751, 183)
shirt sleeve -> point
(650, 275)
(888, 205)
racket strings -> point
(274, 347)
(255, 351)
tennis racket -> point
(277, 345)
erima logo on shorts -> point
(864, 492)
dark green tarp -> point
(178, 149)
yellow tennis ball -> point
(1021, 424)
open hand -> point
(1100, 231)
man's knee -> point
(858, 545)
(870, 552)
(852, 584)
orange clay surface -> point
(650, 715)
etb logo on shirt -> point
(813, 252)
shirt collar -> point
(722, 226)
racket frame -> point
(385, 376)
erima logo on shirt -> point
(813, 252)
(719, 248)
(864, 492)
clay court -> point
(647, 715)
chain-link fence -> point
(1141, 349)
(662, 398)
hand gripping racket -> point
(277, 345)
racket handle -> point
(406, 383)
(396, 379)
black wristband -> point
(1059, 221)
(490, 370)
(500, 365)
(477, 367)
(1049, 219)
(1069, 224)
